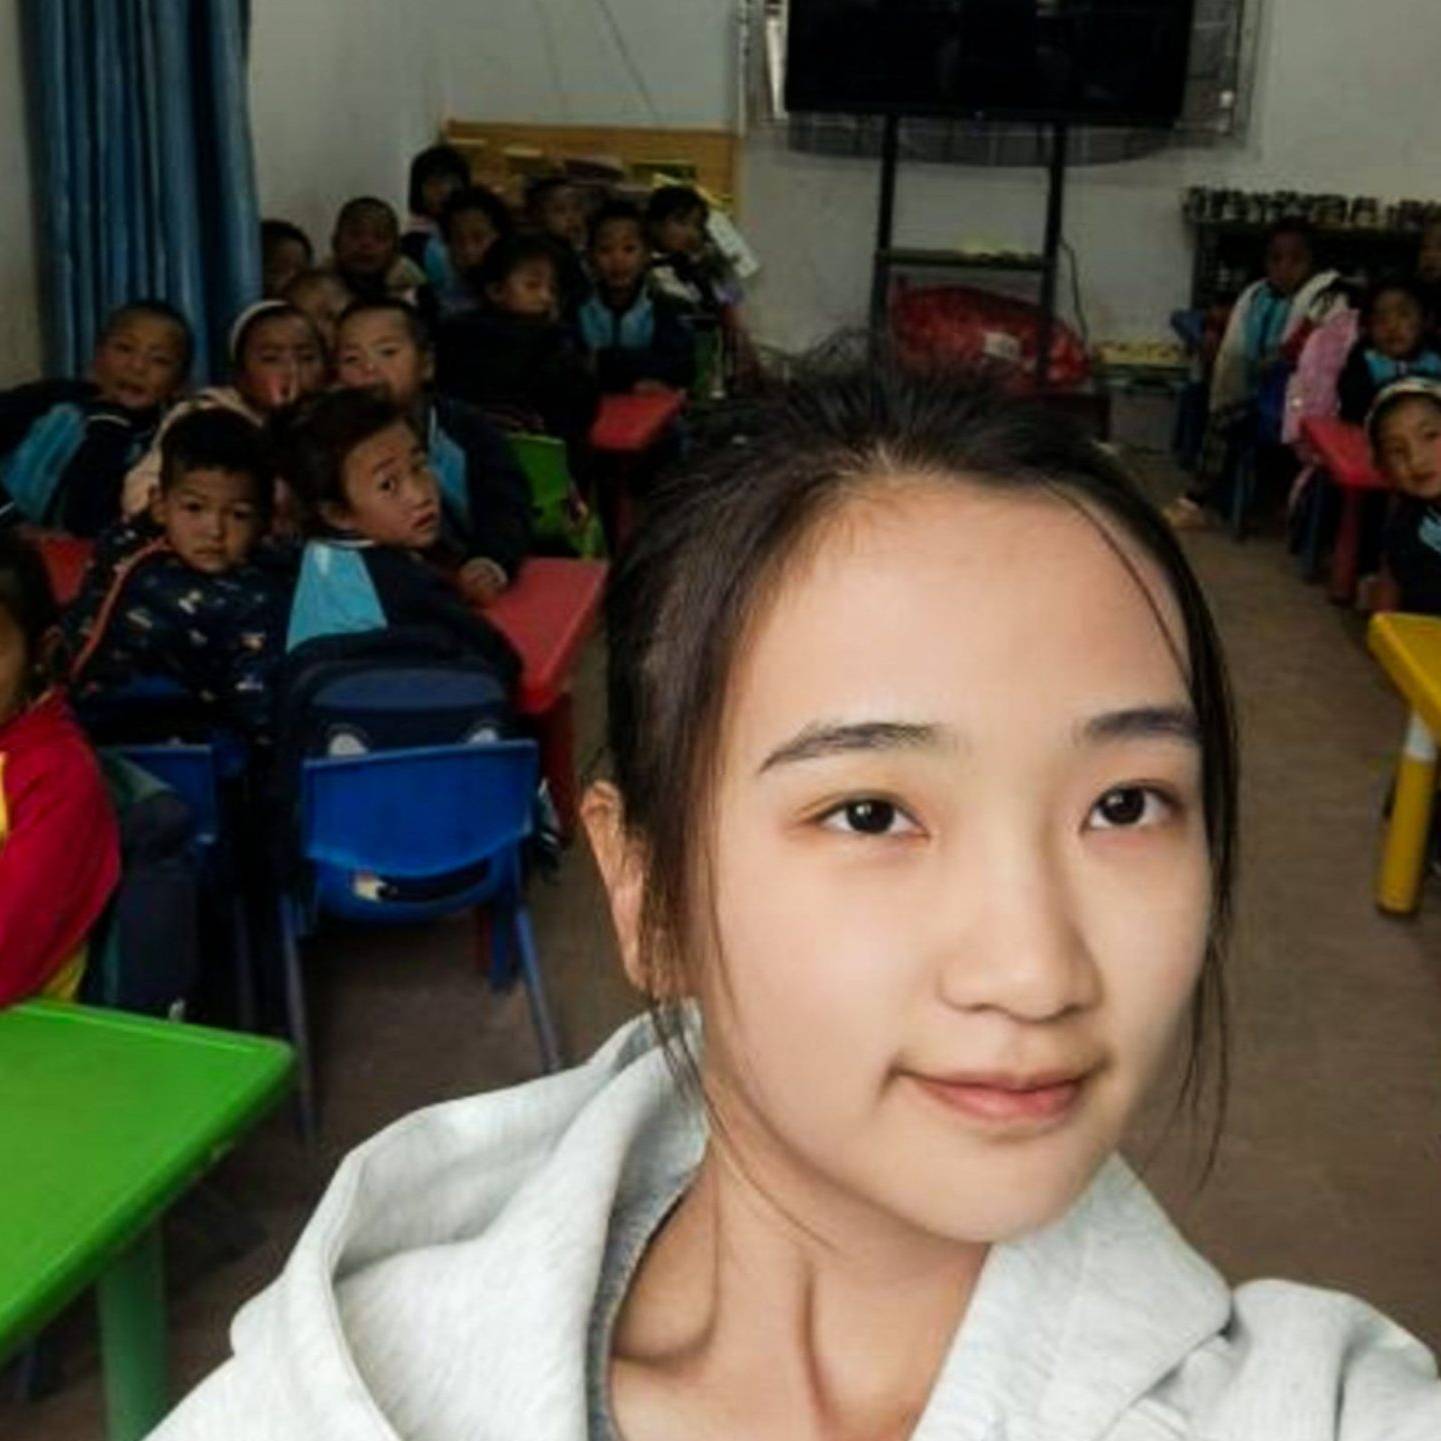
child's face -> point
(1408, 447)
(1396, 324)
(282, 361)
(367, 244)
(682, 234)
(435, 190)
(140, 363)
(1289, 263)
(562, 214)
(210, 519)
(324, 299)
(376, 348)
(391, 495)
(529, 290)
(1428, 262)
(958, 847)
(619, 256)
(284, 259)
(469, 239)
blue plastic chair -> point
(412, 835)
(195, 772)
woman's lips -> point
(1008, 1102)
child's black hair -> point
(478, 197)
(1414, 387)
(439, 161)
(216, 438)
(415, 324)
(613, 211)
(360, 205)
(1403, 284)
(153, 309)
(276, 232)
(670, 201)
(26, 596)
(1293, 225)
(510, 252)
(317, 437)
(542, 187)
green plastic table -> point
(105, 1119)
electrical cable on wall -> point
(1081, 323)
(552, 59)
(637, 77)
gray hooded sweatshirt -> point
(455, 1280)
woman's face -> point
(959, 874)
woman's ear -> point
(622, 869)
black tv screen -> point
(1101, 62)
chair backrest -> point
(554, 499)
(411, 814)
(192, 772)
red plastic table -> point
(1345, 454)
(65, 557)
(631, 424)
(547, 615)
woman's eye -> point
(1127, 807)
(869, 818)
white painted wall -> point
(342, 94)
(20, 351)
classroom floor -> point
(1330, 1171)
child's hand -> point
(481, 580)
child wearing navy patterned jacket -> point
(188, 590)
(65, 445)
(639, 341)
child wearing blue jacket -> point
(66, 445)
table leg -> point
(1348, 543)
(1403, 858)
(556, 733)
(131, 1297)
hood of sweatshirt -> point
(444, 1288)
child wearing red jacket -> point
(59, 840)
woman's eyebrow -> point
(1146, 722)
(827, 739)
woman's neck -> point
(751, 1306)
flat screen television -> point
(1098, 62)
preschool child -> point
(473, 219)
(514, 358)
(66, 445)
(1392, 345)
(556, 207)
(484, 497)
(1405, 431)
(188, 591)
(324, 297)
(373, 511)
(59, 841)
(435, 175)
(285, 252)
(685, 266)
(276, 357)
(366, 251)
(639, 341)
(1268, 326)
(919, 839)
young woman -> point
(919, 845)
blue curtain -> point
(145, 180)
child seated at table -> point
(1405, 431)
(556, 208)
(514, 358)
(436, 174)
(685, 266)
(285, 252)
(1392, 345)
(484, 498)
(59, 843)
(639, 341)
(66, 445)
(188, 591)
(473, 220)
(366, 251)
(372, 507)
(276, 357)
(322, 296)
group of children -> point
(1299, 342)
(351, 475)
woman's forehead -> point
(961, 599)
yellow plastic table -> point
(1409, 649)
(105, 1119)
